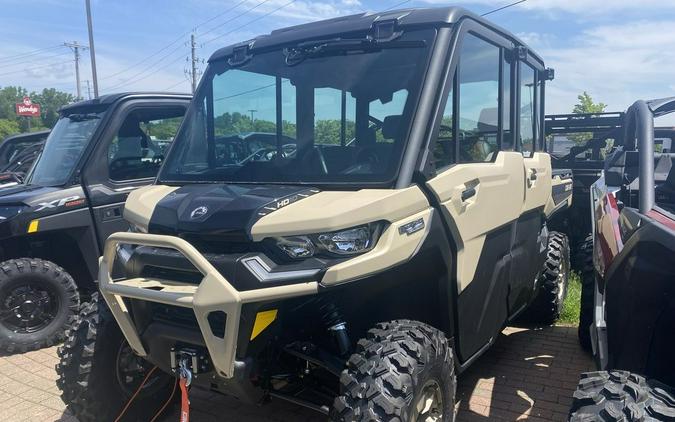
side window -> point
(526, 109)
(507, 132)
(331, 107)
(139, 147)
(478, 115)
(387, 115)
(444, 150)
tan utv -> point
(351, 212)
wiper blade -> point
(83, 116)
(322, 48)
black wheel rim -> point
(26, 308)
(131, 370)
(429, 404)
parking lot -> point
(529, 374)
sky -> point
(616, 50)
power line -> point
(251, 21)
(136, 75)
(396, 5)
(35, 67)
(135, 78)
(32, 61)
(180, 37)
(175, 85)
(31, 53)
(503, 7)
(246, 12)
(181, 57)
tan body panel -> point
(141, 203)
(537, 191)
(498, 200)
(393, 248)
(335, 210)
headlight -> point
(347, 242)
(296, 246)
(352, 241)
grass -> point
(570, 312)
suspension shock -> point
(336, 325)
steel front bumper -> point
(213, 294)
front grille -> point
(185, 318)
(173, 315)
(182, 276)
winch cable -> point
(159, 412)
(138, 390)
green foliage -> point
(571, 306)
(165, 129)
(8, 127)
(50, 101)
(325, 131)
(585, 105)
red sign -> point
(27, 108)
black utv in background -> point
(17, 154)
(52, 228)
(578, 144)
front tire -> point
(402, 371)
(621, 396)
(98, 372)
(548, 304)
(38, 303)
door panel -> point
(497, 200)
(538, 180)
(481, 203)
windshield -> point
(337, 114)
(63, 149)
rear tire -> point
(621, 396)
(97, 374)
(402, 371)
(587, 295)
(38, 303)
(548, 304)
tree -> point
(584, 106)
(50, 101)
(8, 127)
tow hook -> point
(196, 361)
(185, 363)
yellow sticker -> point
(33, 226)
(262, 321)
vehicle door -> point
(479, 182)
(529, 238)
(128, 156)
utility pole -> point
(91, 50)
(88, 90)
(75, 46)
(193, 48)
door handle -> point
(468, 193)
(533, 174)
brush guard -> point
(213, 294)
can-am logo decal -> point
(56, 203)
(199, 212)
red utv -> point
(633, 277)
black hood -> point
(221, 211)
